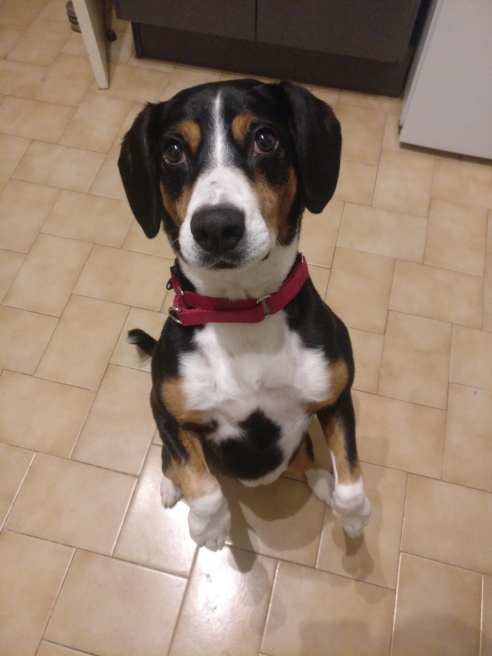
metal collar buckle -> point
(264, 304)
(172, 310)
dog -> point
(250, 352)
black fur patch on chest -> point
(255, 454)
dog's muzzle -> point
(218, 229)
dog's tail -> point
(142, 340)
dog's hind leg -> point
(350, 505)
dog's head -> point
(228, 168)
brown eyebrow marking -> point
(191, 133)
(241, 126)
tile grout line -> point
(183, 601)
(482, 605)
(397, 591)
(270, 602)
(34, 454)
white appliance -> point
(448, 98)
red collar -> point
(191, 309)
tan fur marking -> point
(174, 399)
(194, 477)
(302, 462)
(336, 443)
(338, 375)
(275, 203)
(176, 208)
(240, 127)
(191, 133)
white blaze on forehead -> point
(219, 132)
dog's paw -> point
(351, 508)
(209, 521)
(170, 493)
(321, 483)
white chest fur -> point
(239, 368)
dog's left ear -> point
(318, 142)
(139, 171)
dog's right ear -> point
(139, 169)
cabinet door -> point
(231, 18)
(372, 29)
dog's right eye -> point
(174, 153)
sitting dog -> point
(250, 352)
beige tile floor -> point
(90, 563)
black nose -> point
(217, 229)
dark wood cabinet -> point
(363, 45)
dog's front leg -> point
(209, 518)
(350, 505)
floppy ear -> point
(139, 169)
(318, 143)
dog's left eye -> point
(265, 141)
(174, 153)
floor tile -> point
(122, 48)
(415, 360)
(66, 81)
(48, 275)
(183, 77)
(487, 617)
(401, 435)
(27, 335)
(156, 64)
(370, 101)
(225, 604)
(13, 150)
(31, 574)
(362, 131)
(72, 503)
(321, 614)
(15, 463)
(132, 83)
(124, 277)
(120, 425)
(471, 358)
(456, 237)
(137, 241)
(368, 350)
(55, 10)
(41, 43)
(319, 276)
(438, 610)
(82, 344)
(152, 535)
(33, 119)
(75, 46)
(108, 181)
(319, 234)
(463, 182)
(449, 523)
(487, 296)
(41, 415)
(359, 289)
(96, 123)
(128, 355)
(8, 40)
(383, 233)
(23, 211)
(282, 519)
(59, 166)
(19, 14)
(51, 649)
(438, 293)
(391, 138)
(18, 79)
(89, 218)
(372, 558)
(10, 263)
(404, 182)
(329, 96)
(115, 608)
(468, 453)
(356, 182)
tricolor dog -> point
(250, 352)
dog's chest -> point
(237, 370)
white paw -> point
(351, 508)
(209, 521)
(170, 493)
(321, 483)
